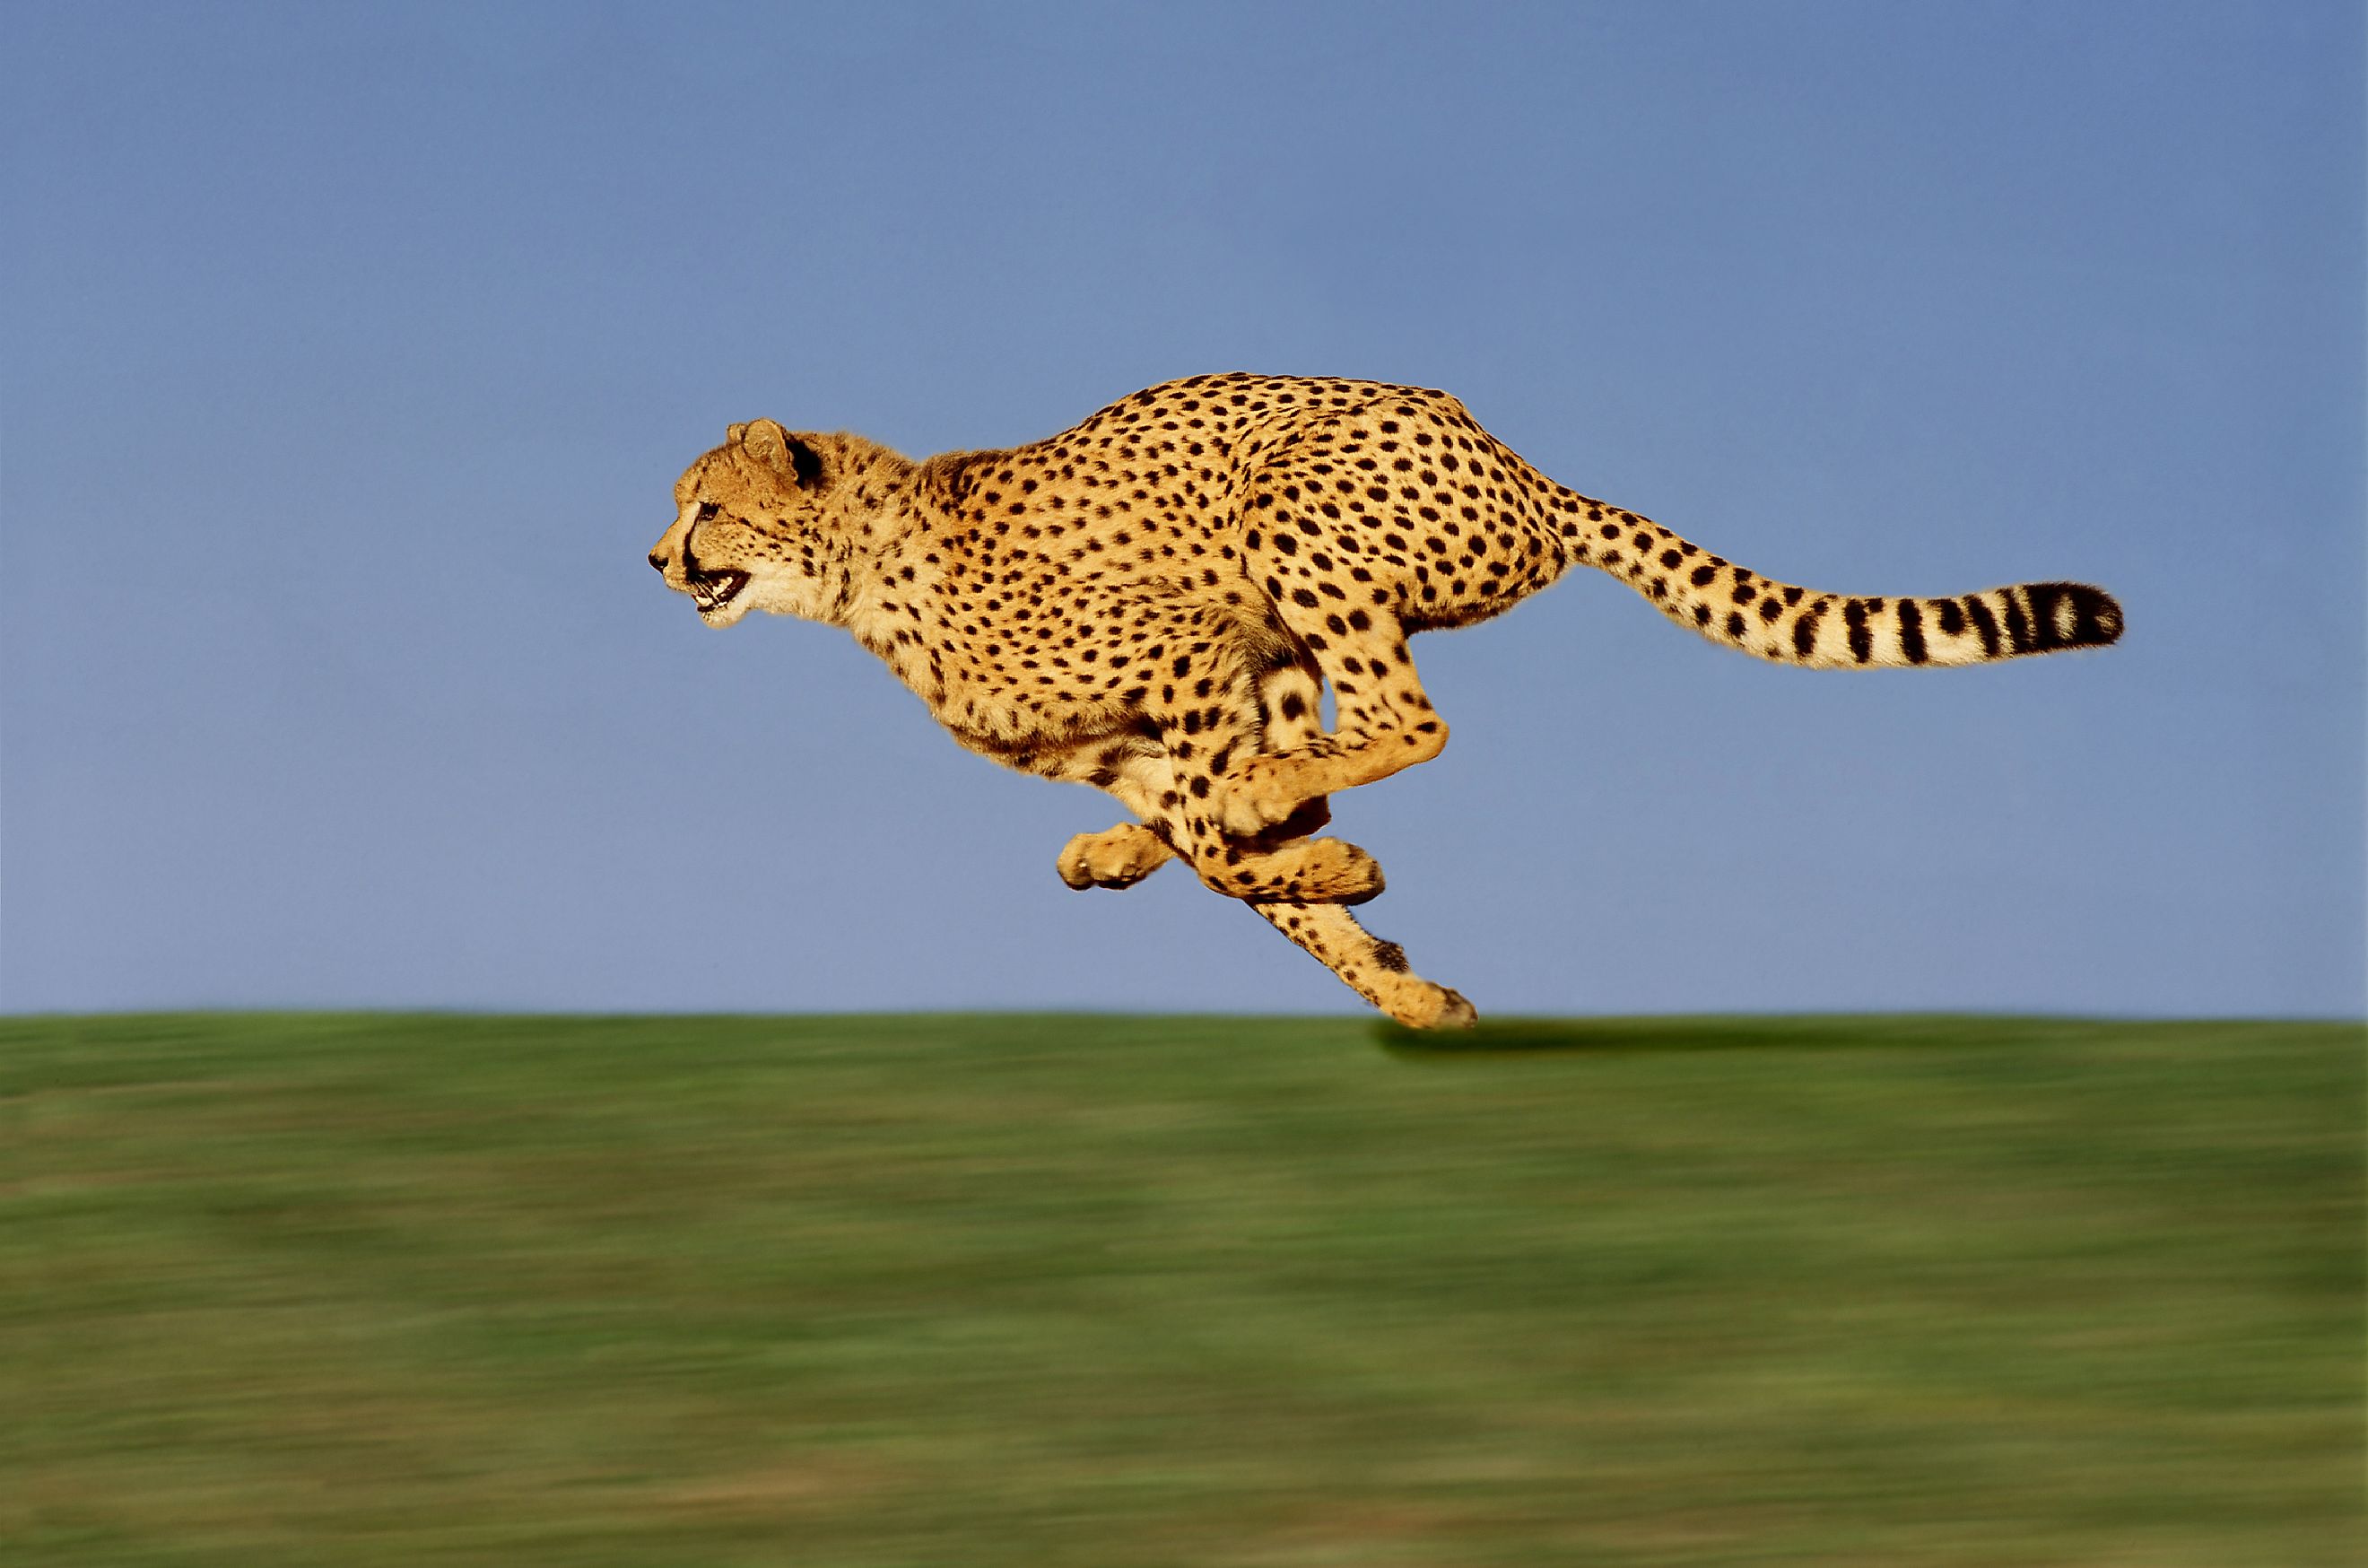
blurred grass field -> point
(1119, 1292)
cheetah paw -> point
(1422, 1005)
(1119, 858)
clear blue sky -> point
(351, 351)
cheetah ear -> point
(736, 434)
(789, 459)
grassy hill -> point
(1134, 1292)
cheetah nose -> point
(658, 559)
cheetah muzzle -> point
(1153, 602)
(711, 591)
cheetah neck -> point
(890, 517)
(875, 507)
(897, 605)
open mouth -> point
(711, 591)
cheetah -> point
(1154, 603)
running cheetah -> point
(1153, 602)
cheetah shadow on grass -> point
(1608, 1037)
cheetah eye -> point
(707, 511)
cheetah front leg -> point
(1271, 863)
(1206, 717)
(1373, 969)
(1277, 864)
(1148, 783)
(1167, 788)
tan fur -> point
(1151, 602)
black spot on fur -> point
(1804, 632)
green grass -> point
(1135, 1293)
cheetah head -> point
(749, 531)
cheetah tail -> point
(1791, 625)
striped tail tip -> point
(1976, 629)
(2071, 615)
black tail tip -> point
(2072, 615)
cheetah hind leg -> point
(1118, 857)
(1386, 725)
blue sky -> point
(348, 354)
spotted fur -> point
(1153, 603)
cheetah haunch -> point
(1153, 602)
